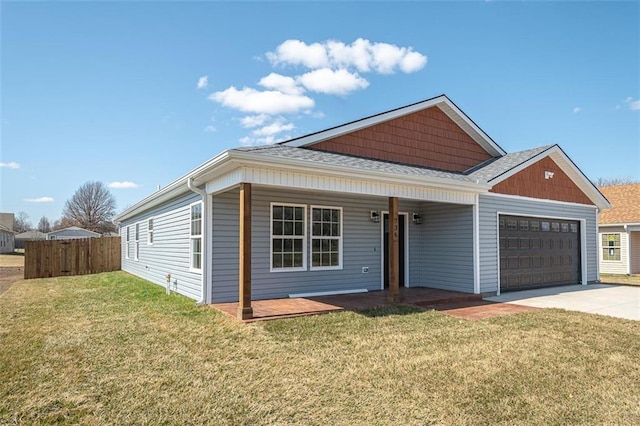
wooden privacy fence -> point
(71, 257)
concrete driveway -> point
(604, 299)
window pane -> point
(326, 215)
(334, 259)
(564, 227)
(315, 214)
(298, 211)
(326, 229)
(277, 212)
(297, 245)
(298, 229)
(288, 228)
(276, 260)
(316, 228)
(150, 224)
(288, 245)
(335, 230)
(277, 245)
(335, 215)
(315, 259)
(297, 260)
(535, 225)
(287, 260)
(334, 245)
(277, 228)
(545, 226)
(288, 213)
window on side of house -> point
(195, 243)
(611, 246)
(150, 232)
(326, 237)
(288, 237)
(137, 242)
(127, 252)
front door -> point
(401, 248)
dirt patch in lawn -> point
(477, 309)
(8, 277)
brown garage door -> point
(537, 252)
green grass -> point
(620, 279)
(114, 349)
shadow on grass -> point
(389, 310)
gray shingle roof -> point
(482, 173)
(322, 157)
(488, 171)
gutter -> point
(203, 281)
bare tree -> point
(44, 225)
(64, 222)
(92, 207)
(22, 223)
(615, 181)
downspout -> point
(205, 214)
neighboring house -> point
(619, 229)
(7, 235)
(29, 236)
(311, 215)
(7, 240)
(71, 233)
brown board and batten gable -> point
(427, 138)
(433, 134)
(531, 182)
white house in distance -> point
(619, 229)
(71, 233)
(418, 196)
(7, 235)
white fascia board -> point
(280, 163)
(174, 189)
(603, 225)
(442, 102)
(567, 166)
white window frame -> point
(303, 238)
(603, 247)
(150, 231)
(319, 237)
(127, 252)
(193, 238)
(136, 252)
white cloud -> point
(40, 200)
(362, 55)
(577, 110)
(296, 52)
(281, 83)
(254, 120)
(633, 105)
(210, 129)
(262, 102)
(122, 185)
(249, 141)
(325, 80)
(10, 165)
(203, 82)
(274, 128)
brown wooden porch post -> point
(393, 250)
(245, 311)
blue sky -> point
(137, 94)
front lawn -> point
(114, 349)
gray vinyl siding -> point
(361, 245)
(170, 250)
(491, 205)
(447, 247)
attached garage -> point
(538, 252)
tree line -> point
(91, 207)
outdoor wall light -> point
(548, 174)
(416, 218)
(374, 216)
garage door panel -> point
(538, 252)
